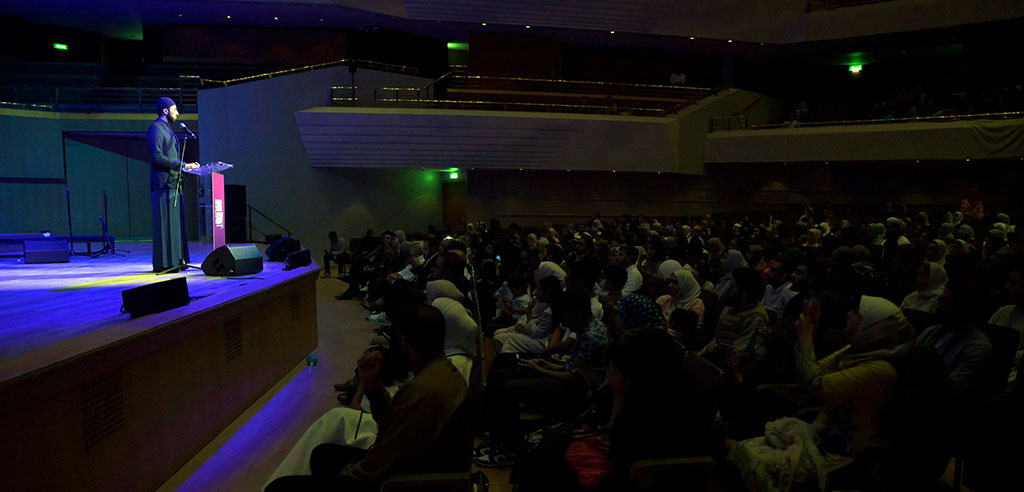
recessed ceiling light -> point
(483, 23)
(179, 15)
(229, 17)
(730, 40)
(527, 27)
(275, 18)
(321, 20)
(691, 37)
(611, 32)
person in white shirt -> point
(627, 259)
(779, 290)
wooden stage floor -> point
(42, 305)
(84, 384)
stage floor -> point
(46, 304)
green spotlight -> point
(856, 68)
(458, 46)
(60, 46)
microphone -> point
(193, 135)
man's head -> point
(332, 236)
(583, 274)
(433, 245)
(554, 254)
(614, 278)
(627, 256)
(747, 288)
(166, 108)
(573, 310)
(423, 334)
(388, 237)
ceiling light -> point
(275, 18)
(483, 23)
(229, 17)
(611, 32)
(179, 15)
(321, 20)
(527, 27)
(691, 37)
(730, 40)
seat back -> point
(1004, 349)
(705, 381)
(355, 247)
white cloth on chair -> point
(342, 425)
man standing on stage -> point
(170, 242)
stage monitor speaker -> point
(155, 298)
(47, 251)
(233, 260)
(297, 259)
(282, 248)
(236, 208)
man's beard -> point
(171, 118)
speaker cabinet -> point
(233, 260)
(297, 259)
(236, 209)
(46, 251)
(156, 297)
(281, 248)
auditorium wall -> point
(252, 125)
(32, 174)
(533, 198)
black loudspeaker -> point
(46, 251)
(236, 208)
(297, 259)
(282, 248)
(155, 298)
(233, 260)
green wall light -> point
(60, 46)
(856, 68)
(458, 46)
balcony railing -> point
(415, 98)
(96, 99)
(740, 122)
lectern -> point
(211, 202)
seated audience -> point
(683, 294)
(964, 350)
(418, 432)
(855, 384)
(336, 252)
(547, 386)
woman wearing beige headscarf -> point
(683, 293)
(856, 384)
(931, 282)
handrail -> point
(316, 66)
(507, 106)
(435, 81)
(265, 216)
(1005, 115)
(590, 82)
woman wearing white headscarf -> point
(733, 260)
(937, 251)
(931, 281)
(549, 269)
(683, 293)
(856, 382)
(813, 238)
